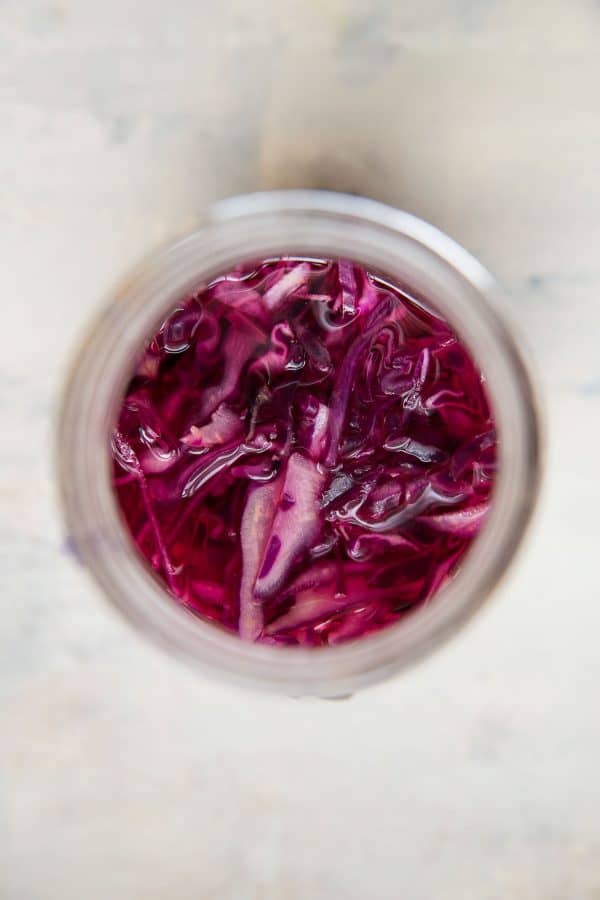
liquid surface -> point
(304, 453)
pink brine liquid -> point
(304, 452)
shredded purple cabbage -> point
(304, 452)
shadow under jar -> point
(246, 236)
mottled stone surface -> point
(124, 776)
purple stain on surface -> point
(70, 548)
(287, 501)
(273, 548)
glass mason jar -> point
(298, 223)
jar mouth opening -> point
(303, 223)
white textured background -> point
(123, 775)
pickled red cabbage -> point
(304, 452)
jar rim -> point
(260, 225)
